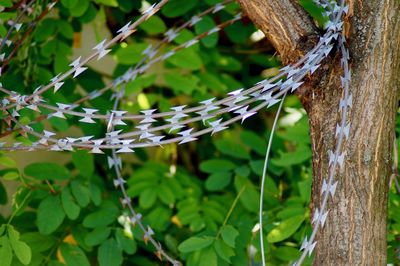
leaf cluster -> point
(201, 199)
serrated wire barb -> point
(151, 126)
(336, 157)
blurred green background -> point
(201, 198)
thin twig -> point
(31, 26)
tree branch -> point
(285, 23)
(355, 230)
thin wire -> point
(271, 137)
(17, 20)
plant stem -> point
(234, 203)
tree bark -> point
(287, 26)
(355, 231)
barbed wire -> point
(30, 27)
(336, 158)
(131, 74)
(26, 8)
(241, 104)
(238, 103)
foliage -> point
(201, 202)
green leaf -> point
(64, 50)
(45, 29)
(166, 194)
(216, 165)
(128, 5)
(3, 228)
(11, 175)
(305, 189)
(95, 194)
(239, 32)
(176, 8)
(257, 166)
(21, 199)
(106, 215)
(229, 235)
(212, 82)
(60, 63)
(232, 149)
(130, 54)
(218, 181)
(55, 263)
(97, 236)
(81, 193)
(47, 171)
(73, 255)
(6, 3)
(314, 10)
(195, 243)
(254, 141)
(287, 253)
(189, 214)
(301, 155)
(224, 251)
(206, 24)
(69, 3)
(84, 162)
(285, 229)
(3, 31)
(185, 36)
(208, 257)
(250, 196)
(49, 48)
(187, 59)
(21, 249)
(79, 10)
(90, 14)
(298, 133)
(43, 75)
(140, 83)
(270, 187)
(289, 212)
(38, 242)
(148, 198)
(50, 215)
(65, 29)
(159, 218)
(112, 3)
(154, 25)
(231, 64)
(109, 253)
(8, 162)
(181, 84)
(5, 251)
(213, 210)
(7, 16)
(71, 209)
(127, 244)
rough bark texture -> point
(291, 32)
(355, 231)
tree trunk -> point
(355, 231)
